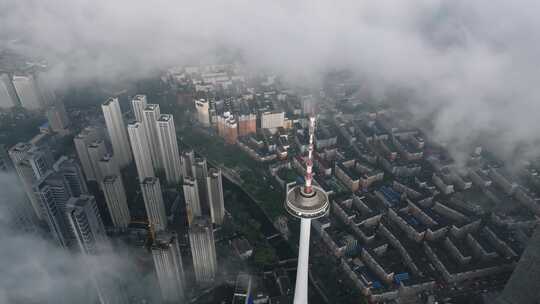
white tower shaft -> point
(300, 289)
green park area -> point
(253, 176)
(250, 228)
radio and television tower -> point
(306, 202)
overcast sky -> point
(475, 62)
(473, 65)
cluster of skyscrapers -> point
(103, 167)
(203, 193)
(50, 186)
(58, 195)
(155, 149)
(156, 153)
(154, 143)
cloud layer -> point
(35, 270)
(471, 65)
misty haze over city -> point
(470, 65)
(432, 146)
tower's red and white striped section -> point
(309, 163)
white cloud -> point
(36, 270)
(474, 62)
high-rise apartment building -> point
(168, 146)
(141, 150)
(89, 232)
(203, 115)
(138, 103)
(188, 158)
(247, 124)
(17, 154)
(168, 265)
(153, 201)
(108, 165)
(83, 216)
(228, 128)
(203, 249)
(40, 159)
(117, 131)
(200, 170)
(82, 140)
(151, 115)
(31, 163)
(8, 96)
(231, 131)
(27, 178)
(191, 196)
(58, 118)
(215, 196)
(53, 192)
(28, 92)
(38, 162)
(96, 151)
(220, 123)
(115, 197)
(73, 175)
